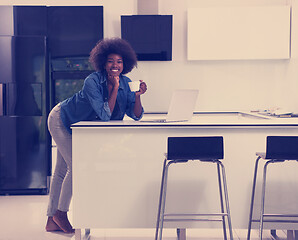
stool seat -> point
(182, 150)
(282, 147)
(278, 149)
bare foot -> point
(60, 218)
(51, 226)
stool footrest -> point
(280, 215)
(191, 219)
(276, 220)
(181, 217)
(195, 214)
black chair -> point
(181, 150)
(278, 149)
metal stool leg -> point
(296, 234)
(181, 233)
(273, 233)
(252, 198)
(226, 199)
(160, 199)
(221, 201)
(263, 199)
(163, 202)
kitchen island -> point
(117, 170)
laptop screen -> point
(182, 105)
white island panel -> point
(117, 171)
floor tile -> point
(24, 217)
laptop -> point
(181, 107)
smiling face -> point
(114, 64)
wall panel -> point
(220, 33)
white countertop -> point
(201, 119)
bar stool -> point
(181, 150)
(278, 149)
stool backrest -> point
(282, 147)
(204, 148)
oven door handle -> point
(2, 99)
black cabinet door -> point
(74, 30)
(25, 76)
(23, 155)
(24, 142)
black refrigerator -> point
(31, 38)
(24, 100)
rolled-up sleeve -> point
(94, 93)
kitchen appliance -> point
(24, 101)
(149, 35)
(29, 48)
(68, 75)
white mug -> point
(134, 86)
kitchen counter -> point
(117, 169)
(204, 119)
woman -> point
(105, 96)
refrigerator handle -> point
(2, 99)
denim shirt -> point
(91, 103)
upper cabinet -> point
(74, 30)
(71, 31)
(235, 33)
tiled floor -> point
(23, 218)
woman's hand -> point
(143, 88)
(138, 106)
(113, 80)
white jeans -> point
(61, 186)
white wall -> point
(224, 85)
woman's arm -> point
(113, 85)
(138, 105)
